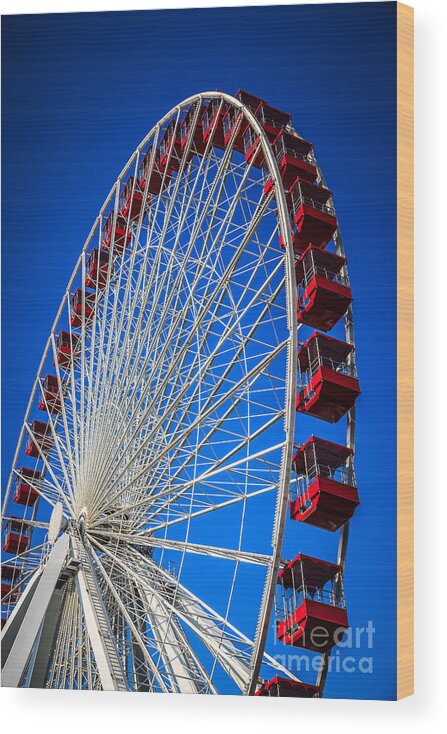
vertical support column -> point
(21, 649)
(98, 626)
(13, 623)
(42, 659)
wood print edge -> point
(405, 352)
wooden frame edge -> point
(405, 352)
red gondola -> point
(41, 439)
(6, 588)
(229, 122)
(171, 146)
(323, 290)
(121, 234)
(273, 121)
(212, 123)
(82, 306)
(24, 493)
(10, 578)
(326, 495)
(97, 268)
(17, 535)
(286, 688)
(11, 574)
(67, 348)
(332, 387)
(198, 144)
(295, 159)
(312, 215)
(253, 153)
(131, 201)
(159, 176)
(313, 604)
(233, 115)
(50, 400)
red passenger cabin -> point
(159, 176)
(25, 494)
(82, 307)
(329, 375)
(17, 536)
(11, 574)
(40, 440)
(50, 399)
(312, 215)
(234, 117)
(295, 159)
(286, 688)
(273, 121)
(6, 588)
(97, 268)
(323, 290)
(118, 236)
(325, 494)
(212, 123)
(10, 578)
(198, 144)
(171, 146)
(131, 201)
(312, 609)
(67, 348)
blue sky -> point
(79, 93)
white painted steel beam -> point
(98, 626)
(21, 649)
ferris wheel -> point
(157, 463)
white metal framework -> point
(170, 456)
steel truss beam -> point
(98, 625)
(180, 666)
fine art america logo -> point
(353, 639)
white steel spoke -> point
(230, 647)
